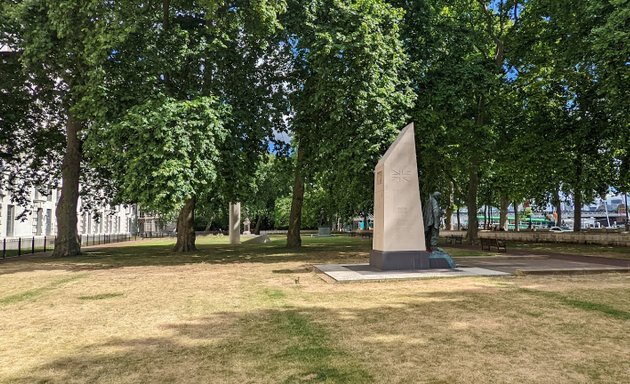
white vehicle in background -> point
(560, 229)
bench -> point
(455, 239)
(501, 245)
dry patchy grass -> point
(236, 315)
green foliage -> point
(166, 151)
(314, 201)
(569, 94)
(351, 93)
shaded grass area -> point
(211, 249)
(101, 296)
(256, 314)
(33, 294)
(582, 304)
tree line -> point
(176, 104)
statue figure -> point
(322, 217)
(432, 217)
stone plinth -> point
(235, 223)
(323, 231)
(246, 227)
(398, 241)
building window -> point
(49, 220)
(39, 223)
(10, 220)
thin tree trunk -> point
(503, 219)
(295, 221)
(186, 227)
(485, 217)
(448, 222)
(471, 202)
(517, 226)
(577, 193)
(459, 223)
(67, 241)
(258, 225)
(558, 204)
(209, 225)
(577, 211)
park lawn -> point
(258, 314)
(576, 249)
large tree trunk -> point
(295, 221)
(558, 204)
(503, 215)
(186, 227)
(471, 202)
(67, 242)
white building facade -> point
(41, 220)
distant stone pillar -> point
(247, 227)
(235, 223)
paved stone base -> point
(364, 272)
(543, 265)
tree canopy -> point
(177, 104)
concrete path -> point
(345, 273)
(543, 264)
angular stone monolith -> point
(235, 223)
(398, 241)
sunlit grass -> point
(136, 313)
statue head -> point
(437, 195)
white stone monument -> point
(247, 226)
(235, 223)
(398, 241)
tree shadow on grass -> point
(426, 337)
(273, 346)
(313, 251)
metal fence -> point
(19, 246)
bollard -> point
(19, 246)
(33, 245)
(4, 248)
(45, 243)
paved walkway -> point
(542, 264)
(514, 262)
(346, 273)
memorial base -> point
(399, 260)
(408, 260)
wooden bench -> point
(501, 245)
(455, 239)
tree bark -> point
(577, 193)
(186, 227)
(295, 221)
(448, 222)
(558, 204)
(577, 211)
(471, 202)
(503, 219)
(485, 217)
(459, 223)
(258, 225)
(67, 241)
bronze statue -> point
(432, 216)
